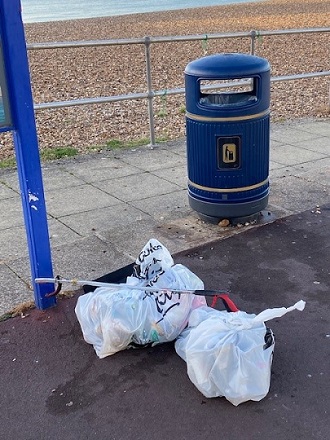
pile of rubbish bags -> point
(228, 354)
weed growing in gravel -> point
(47, 154)
(58, 153)
(163, 111)
(8, 163)
(115, 144)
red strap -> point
(229, 304)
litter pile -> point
(113, 320)
(227, 354)
(230, 354)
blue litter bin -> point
(227, 134)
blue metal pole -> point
(26, 147)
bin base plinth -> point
(234, 221)
(235, 213)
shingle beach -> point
(65, 74)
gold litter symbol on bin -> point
(229, 153)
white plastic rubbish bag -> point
(113, 320)
(230, 354)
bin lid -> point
(227, 65)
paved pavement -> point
(103, 208)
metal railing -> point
(150, 94)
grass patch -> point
(47, 154)
(163, 138)
(162, 113)
(280, 119)
(115, 144)
(58, 153)
(8, 163)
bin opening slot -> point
(228, 92)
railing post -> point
(150, 92)
(253, 35)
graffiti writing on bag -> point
(161, 303)
(152, 272)
(162, 298)
(147, 251)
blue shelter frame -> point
(17, 115)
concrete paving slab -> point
(274, 166)
(60, 234)
(103, 219)
(11, 213)
(17, 291)
(318, 127)
(175, 233)
(128, 239)
(291, 155)
(55, 178)
(136, 187)
(5, 192)
(101, 168)
(290, 134)
(177, 146)
(10, 179)
(320, 145)
(296, 194)
(21, 267)
(321, 177)
(190, 231)
(96, 256)
(13, 243)
(165, 206)
(274, 143)
(315, 172)
(89, 257)
(153, 159)
(77, 199)
(177, 175)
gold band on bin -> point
(233, 118)
(228, 190)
